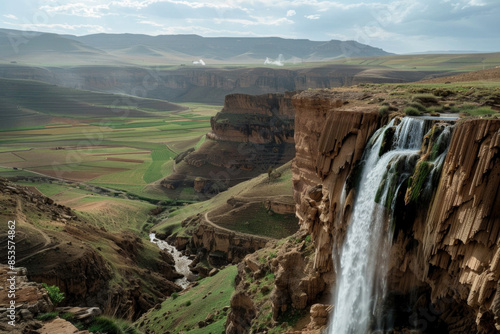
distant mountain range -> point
(48, 48)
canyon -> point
(438, 208)
(207, 84)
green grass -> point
(48, 189)
(179, 130)
(150, 125)
(159, 156)
(115, 214)
(255, 219)
(436, 62)
(211, 294)
(47, 316)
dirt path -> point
(22, 219)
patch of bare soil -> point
(125, 160)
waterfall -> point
(361, 278)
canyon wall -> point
(206, 85)
(445, 250)
(329, 138)
(453, 244)
(257, 119)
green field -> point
(102, 210)
(82, 136)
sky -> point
(398, 26)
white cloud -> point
(256, 21)
(77, 9)
(151, 23)
(191, 4)
(291, 13)
(11, 16)
(313, 17)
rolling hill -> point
(48, 48)
(26, 103)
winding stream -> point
(182, 262)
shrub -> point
(383, 111)
(417, 106)
(104, 325)
(175, 295)
(410, 111)
(188, 303)
(55, 295)
(425, 99)
(435, 109)
(47, 316)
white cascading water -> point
(363, 261)
(182, 262)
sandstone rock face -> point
(446, 248)
(31, 300)
(458, 238)
(257, 119)
(249, 135)
(242, 312)
(319, 316)
(233, 245)
(329, 141)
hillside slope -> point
(114, 270)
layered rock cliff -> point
(255, 119)
(249, 135)
(453, 246)
(330, 137)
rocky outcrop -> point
(250, 135)
(242, 313)
(282, 271)
(83, 279)
(221, 246)
(257, 119)
(30, 300)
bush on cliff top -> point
(55, 295)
